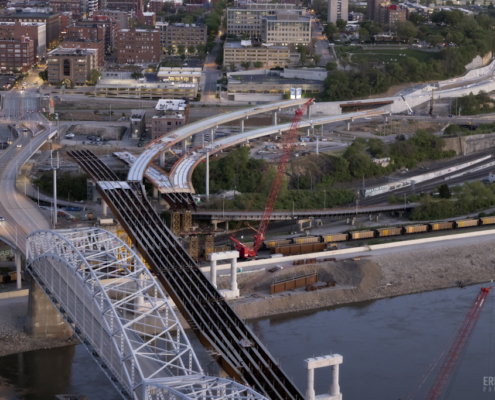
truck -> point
(303, 139)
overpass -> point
(176, 186)
(238, 351)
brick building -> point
(66, 19)
(16, 53)
(125, 5)
(91, 30)
(391, 13)
(146, 18)
(155, 6)
(356, 16)
(171, 115)
(73, 64)
(190, 8)
(34, 30)
(60, 6)
(122, 17)
(52, 21)
(138, 46)
(85, 44)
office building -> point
(181, 34)
(66, 19)
(16, 53)
(91, 29)
(270, 56)
(338, 9)
(286, 28)
(124, 5)
(138, 46)
(247, 20)
(171, 115)
(99, 45)
(73, 64)
(122, 17)
(146, 18)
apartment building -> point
(34, 30)
(337, 9)
(85, 44)
(181, 34)
(391, 14)
(286, 28)
(66, 19)
(270, 56)
(122, 17)
(16, 53)
(171, 115)
(356, 16)
(52, 21)
(98, 23)
(247, 19)
(138, 46)
(155, 6)
(73, 64)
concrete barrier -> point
(14, 293)
(325, 254)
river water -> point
(387, 346)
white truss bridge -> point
(122, 316)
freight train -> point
(382, 232)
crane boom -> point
(287, 147)
(458, 345)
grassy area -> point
(388, 55)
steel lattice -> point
(121, 314)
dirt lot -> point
(108, 132)
(396, 127)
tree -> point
(15, 70)
(202, 55)
(406, 29)
(258, 64)
(444, 191)
(43, 74)
(191, 49)
(200, 48)
(94, 75)
(246, 65)
(302, 53)
(330, 29)
(434, 40)
(232, 66)
(137, 75)
(224, 68)
(181, 49)
(314, 41)
(331, 66)
(170, 49)
(341, 24)
(316, 58)
(363, 33)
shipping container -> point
(466, 223)
(362, 235)
(441, 226)
(338, 237)
(415, 228)
(388, 232)
(298, 249)
(277, 243)
(487, 220)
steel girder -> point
(122, 316)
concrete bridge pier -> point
(184, 145)
(155, 193)
(241, 124)
(377, 216)
(233, 292)
(104, 204)
(348, 125)
(353, 221)
(333, 361)
(274, 117)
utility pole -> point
(55, 167)
(207, 175)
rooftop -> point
(12, 23)
(171, 105)
(283, 17)
(139, 30)
(60, 51)
(271, 80)
(137, 115)
(132, 83)
(239, 45)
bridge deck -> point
(218, 327)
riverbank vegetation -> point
(67, 183)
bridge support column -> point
(233, 277)
(162, 160)
(186, 221)
(348, 125)
(310, 391)
(207, 176)
(184, 145)
(241, 125)
(377, 216)
(333, 361)
(175, 223)
(193, 247)
(370, 217)
(274, 117)
(353, 221)
(18, 268)
(213, 272)
(309, 111)
(155, 192)
(43, 320)
(104, 204)
(227, 226)
(307, 131)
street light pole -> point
(68, 197)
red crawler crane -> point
(287, 147)
(458, 346)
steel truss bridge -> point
(219, 329)
(122, 316)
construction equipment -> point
(458, 345)
(431, 103)
(287, 146)
(409, 109)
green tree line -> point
(66, 182)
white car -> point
(19, 146)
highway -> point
(22, 216)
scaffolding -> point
(186, 221)
(193, 247)
(175, 223)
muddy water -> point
(387, 346)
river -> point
(387, 346)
